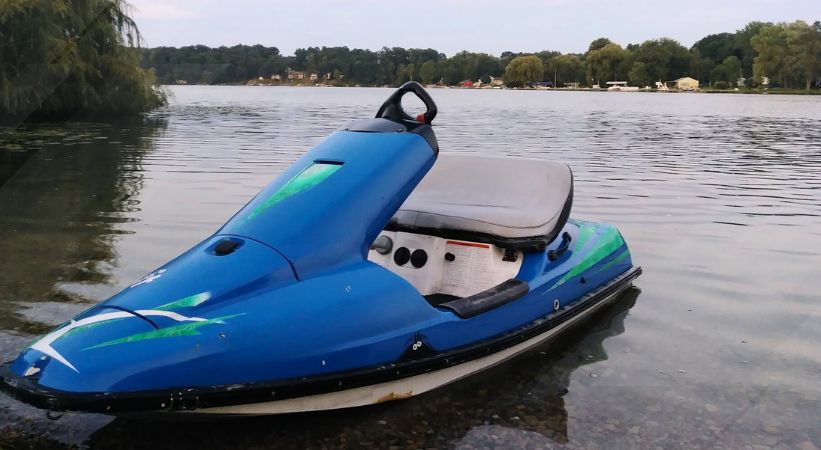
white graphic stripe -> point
(44, 345)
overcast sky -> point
(451, 25)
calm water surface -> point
(719, 197)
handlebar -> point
(392, 108)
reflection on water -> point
(718, 195)
(63, 191)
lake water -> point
(719, 197)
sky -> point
(451, 25)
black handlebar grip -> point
(392, 108)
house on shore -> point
(686, 84)
(294, 75)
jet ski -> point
(372, 269)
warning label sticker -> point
(471, 269)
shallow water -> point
(719, 197)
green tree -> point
(625, 64)
(567, 69)
(451, 74)
(744, 47)
(60, 59)
(598, 44)
(700, 67)
(364, 67)
(773, 60)
(418, 56)
(429, 72)
(547, 58)
(475, 66)
(404, 73)
(466, 62)
(640, 74)
(665, 59)
(523, 70)
(816, 28)
(804, 44)
(603, 64)
(507, 57)
(488, 66)
(718, 47)
(729, 70)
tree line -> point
(788, 54)
(63, 59)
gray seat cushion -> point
(505, 197)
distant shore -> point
(779, 91)
(761, 57)
(753, 91)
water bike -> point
(373, 269)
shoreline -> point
(754, 91)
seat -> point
(509, 202)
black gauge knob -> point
(401, 256)
(419, 258)
(450, 257)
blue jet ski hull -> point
(281, 310)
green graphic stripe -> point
(615, 260)
(586, 230)
(185, 329)
(609, 242)
(306, 179)
(193, 300)
(186, 302)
